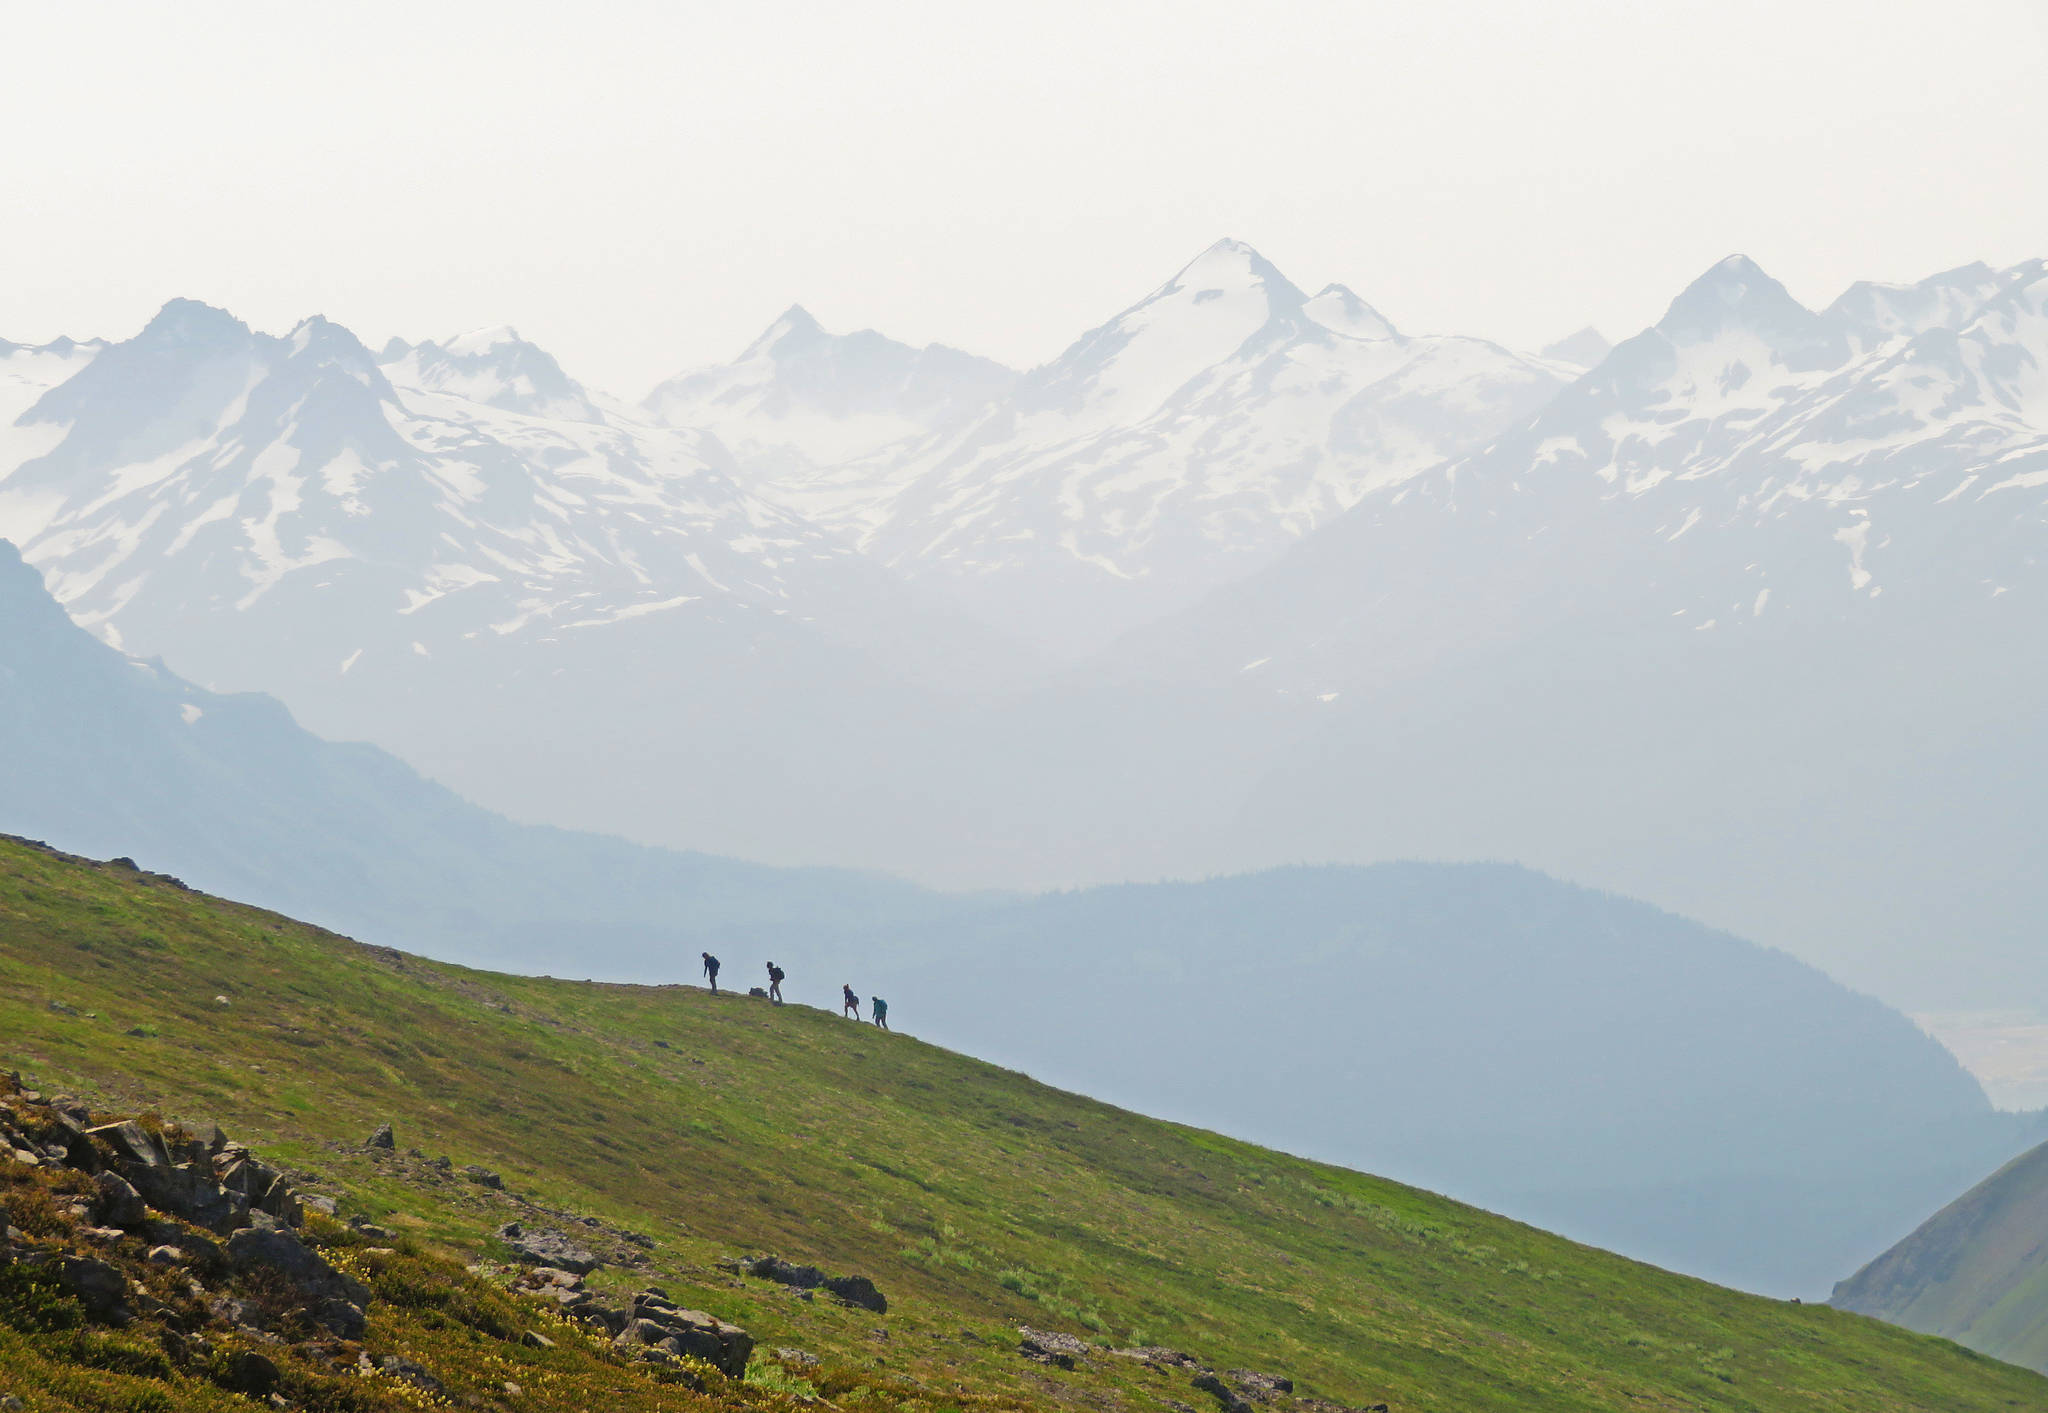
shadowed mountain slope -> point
(109, 755)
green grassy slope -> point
(976, 1198)
(1975, 1272)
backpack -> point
(775, 975)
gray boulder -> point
(382, 1138)
(405, 1371)
(693, 1334)
(548, 1248)
(1227, 1398)
(120, 1204)
(344, 1319)
(100, 1288)
(860, 1291)
(1062, 1351)
(275, 1249)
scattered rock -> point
(246, 1371)
(854, 1290)
(1226, 1397)
(1159, 1357)
(94, 1284)
(120, 1203)
(344, 1319)
(654, 1323)
(381, 1138)
(257, 1248)
(860, 1291)
(774, 1268)
(1260, 1387)
(10, 1404)
(484, 1177)
(802, 1358)
(534, 1339)
(239, 1313)
(166, 1255)
(548, 1248)
(405, 1371)
(63, 1010)
(1062, 1351)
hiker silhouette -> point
(775, 975)
(880, 1008)
(711, 970)
(849, 1003)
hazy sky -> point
(641, 187)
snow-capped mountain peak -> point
(1737, 296)
(1126, 369)
(1584, 349)
(495, 367)
(794, 328)
(1342, 312)
(801, 398)
(1873, 312)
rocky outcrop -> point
(650, 1326)
(655, 1324)
(854, 1290)
(1062, 1351)
(155, 1190)
(548, 1248)
(333, 1301)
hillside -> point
(1457, 1026)
(1975, 1272)
(974, 1198)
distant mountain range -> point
(1566, 1057)
(1742, 618)
(1167, 451)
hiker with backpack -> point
(711, 970)
(775, 975)
(849, 1004)
(880, 1008)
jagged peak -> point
(1231, 264)
(1736, 293)
(478, 343)
(1339, 310)
(191, 321)
(794, 324)
(1583, 348)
